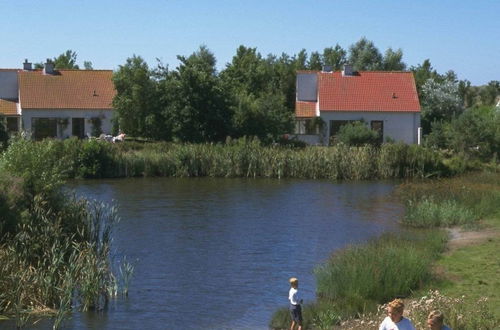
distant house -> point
(386, 101)
(57, 103)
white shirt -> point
(404, 324)
(293, 296)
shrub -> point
(357, 134)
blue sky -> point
(463, 36)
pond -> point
(217, 253)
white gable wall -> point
(400, 126)
(105, 114)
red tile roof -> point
(364, 91)
(8, 108)
(305, 109)
(67, 89)
(368, 91)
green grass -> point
(474, 270)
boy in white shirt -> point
(295, 301)
(395, 319)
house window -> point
(78, 127)
(378, 126)
(44, 128)
(12, 124)
(306, 126)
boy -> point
(395, 319)
(295, 301)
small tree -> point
(357, 134)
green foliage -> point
(380, 270)
(4, 136)
(458, 201)
(428, 213)
(196, 105)
(54, 248)
(474, 134)
(364, 56)
(66, 60)
(440, 101)
(357, 134)
(136, 100)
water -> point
(217, 253)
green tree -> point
(393, 60)
(364, 56)
(440, 101)
(489, 93)
(475, 133)
(196, 104)
(88, 65)
(66, 60)
(136, 100)
(424, 72)
(334, 56)
(315, 62)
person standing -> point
(295, 304)
(395, 319)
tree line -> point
(254, 95)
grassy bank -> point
(54, 248)
(357, 279)
(237, 158)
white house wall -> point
(106, 115)
(397, 125)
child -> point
(295, 301)
(395, 319)
(435, 321)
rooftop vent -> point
(48, 67)
(27, 65)
(347, 70)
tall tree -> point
(66, 60)
(137, 111)
(440, 101)
(334, 56)
(315, 62)
(197, 107)
(393, 60)
(364, 56)
(422, 73)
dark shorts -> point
(296, 313)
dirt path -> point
(460, 238)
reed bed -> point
(463, 200)
(244, 157)
(54, 248)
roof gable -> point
(67, 89)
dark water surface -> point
(217, 253)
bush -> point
(357, 134)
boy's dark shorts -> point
(296, 313)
